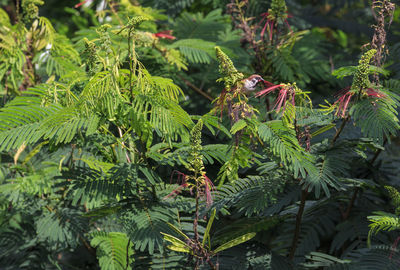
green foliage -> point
(230, 74)
(195, 50)
(376, 118)
(395, 196)
(361, 80)
(250, 195)
(283, 143)
(113, 250)
(110, 144)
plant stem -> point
(345, 120)
(130, 55)
(346, 214)
(115, 12)
(351, 203)
(195, 88)
(299, 217)
(123, 144)
(196, 217)
(377, 153)
(87, 245)
(127, 254)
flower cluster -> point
(345, 96)
(230, 74)
(286, 93)
(361, 86)
(202, 184)
(276, 14)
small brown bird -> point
(250, 83)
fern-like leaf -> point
(113, 249)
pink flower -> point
(269, 89)
(270, 24)
(394, 247)
(80, 4)
(343, 102)
(345, 96)
(165, 34)
(209, 186)
(181, 179)
(375, 93)
(285, 92)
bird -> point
(250, 83)
(245, 87)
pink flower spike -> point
(165, 34)
(374, 93)
(176, 191)
(80, 4)
(263, 30)
(181, 180)
(267, 83)
(288, 25)
(346, 104)
(181, 177)
(209, 186)
(281, 100)
(271, 27)
(268, 90)
(342, 92)
(394, 247)
(293, 102)
(343, 103)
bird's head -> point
(251, 82)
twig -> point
(340, 130)
(86, 244)
(123, 144)
(130, 54)
(115, 12)
(127, 254)
(299, 217)
(346, 214)
(351, 203)
(377, 153)
(195, 88)
(17, 6)
(196, 217)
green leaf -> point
(177, 230)
(112, 249)
(235, 242)
(209, 224)
(344, 71)
(351, 70)
(322, 130)
(177, 244)
(179, 249)
(239, 125)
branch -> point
(340, 130)
(127, 253)
(87, 245)
(123, 144)
(346, 214)
(111, 5)
(195, 88)
(299, 217)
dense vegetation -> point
(128, 139)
